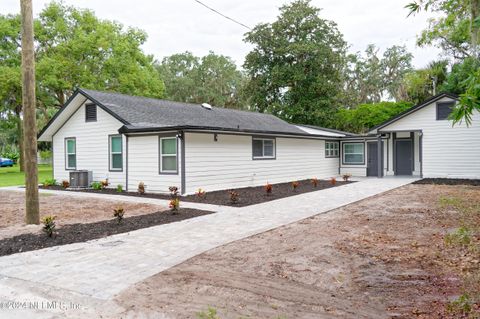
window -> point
(168, 155)
(263, 148)
(331, 149)
(116, 154)
(353, 153)
(90, 113)
(70, 153)
(444, 109)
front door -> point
(372, 159)
(403, 157)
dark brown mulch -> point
(247, 195)
(75, 233)
(448, 181)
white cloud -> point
(180, 25)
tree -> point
(365, 116)
(295, 67)
(73, 48)
(213, 79)
(460, 26)
(32, 207)
(369, 78)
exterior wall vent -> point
(206, 106)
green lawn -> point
(11, 176)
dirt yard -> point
(68, 209)
(384, 257)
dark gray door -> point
(403, 157)
(372, 159)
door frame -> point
(395, 139)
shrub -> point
(49, 224)
(268, 188)
(200, 193)
(295, 184)
(96, 186)
(104, 183)
(11, 152)
(173, 191)
(49, 182)
(65, 184)
(333, 181)
(45, 155)
(118, 214)
(314, 182)
(234, 197)
(119, 188)
(141, 188)
(346, 177)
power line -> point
(217, 12)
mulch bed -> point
(247, 195)
(75, 233)
(448, 181)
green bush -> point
(49, 182)
(11, 152)
(97, 185)
(45, 155)
(119, 188)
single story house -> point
(161, 143)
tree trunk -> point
(21, 149)
(474, 28)
(32, 209)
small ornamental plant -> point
(119, 188)
(295, 185)
(346, 177)
(65, 184)
(333, 181)
(314, 182)
(49, 182)
(96, 186)
(268, 188)
(234, 197)
(104, 183)
(49, 225)
(174, 205)
(173, 191)
(141, 188)
(200, 193)
(118, 214)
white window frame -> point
(344, 153)
(162, 171)
(332, 149)
(263, 139)
(67, 153)
(111, 153)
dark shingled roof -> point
(148, 114)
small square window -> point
(444, 109)
(263, 148)
(331, 149)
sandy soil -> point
(378, 258)
(68, 209)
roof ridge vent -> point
(206, 106)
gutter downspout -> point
(379, 156)
(182, 164)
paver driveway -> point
(99, 269)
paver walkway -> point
(101, 268)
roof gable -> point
(413, 109)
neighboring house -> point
(162, 143)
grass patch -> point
(11, 176)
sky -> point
(175, 26)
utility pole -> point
(32, 208)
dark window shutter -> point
(444, 109)
(90, 113)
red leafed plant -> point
(174, 205)
(268, 188)
(104, 183)
(333, 181)
(295, 184)
(314, 182)
(200, 193)
(65, 184)
(346, 177)
(141, 188)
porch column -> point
(379, 156)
